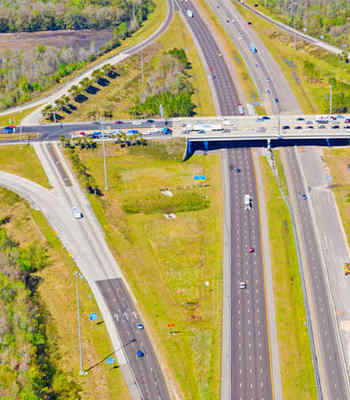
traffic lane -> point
(331, 365)
(146, 368)
(313, 167)
(227, 95)
(250, 369)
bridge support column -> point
(188, 150)
(328, 142)
(206, 146)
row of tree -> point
(29, 16)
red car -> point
(250, 249)
(118, 122)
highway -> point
(334, 381)
(246, 363)
(85, 241)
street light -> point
(79, 275)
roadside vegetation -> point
(27, 74)
(174, 238)
(338, 161)
(23, 161)
(39, 357)
(310, 71)
(293, 339)
(173, 77)
(15, 118)
(327, 20)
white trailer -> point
(247, 202)
(189, 13)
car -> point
(265, 117)
(300, 119)
(242, 285)
(214, 76)
(261, 129)
(139, 325)
(238, 170)
(304, 196)
(321, 126)
(150, 121)
(219, 54)
(285, 127)
(322, 121)
(268, 79)
(309, 122)
(77, 213)
(251, 249)
(340, 117)
(118, 122)
(310, 127)
(228, 21)
(10, 129)
(298, 127)
(249, 23)
(140, 354)
(260, 119)
(226, 122)
(256, 5)
(137, 123)
(210, 67)
(347, 127)
(347, 121)
(333, 118)
(335, 127)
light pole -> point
(104, 159)
(81, 371)
(294, 20)
(330, 99)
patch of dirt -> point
(73, 39)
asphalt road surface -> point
(250, 348)
(125, 316)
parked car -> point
(285, 127)
(300, 119)
(298, 127)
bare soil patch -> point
(73, 39)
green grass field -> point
(15, 118)
(312, 95)
(23, 161)
(57, 293)
(293, 338)
(174, 267)
(119, 94)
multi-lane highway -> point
(250, 348)
(246, 362)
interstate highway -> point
(246, 363)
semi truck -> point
(253, 48)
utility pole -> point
(330, 100)
(104, 159)
(77, 275)
(142, 72)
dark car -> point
(150, 121)
(347, 127)
(322, 127)
(238, 170)
(118, 122)
(335, 127)
(304, 196)
(347, 121)
(140, 353)
(285, 127)
(310, 127)
(265, 117)
(298, 127)
(300, 119)
(249, 23)
(321, 121)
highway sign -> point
(199, 177)
(93, 316)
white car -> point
(243, 285)
(227, 122)
(136, 123)
(77, 213)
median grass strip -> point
(119, 94)
(173, 266)
(23, 161)
(338, 161)
(293, 338)
(309, 70)
(57, 294)
(245, 81)
(15, 118)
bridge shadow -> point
(206, 146)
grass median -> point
(173, 265)
(245, 81)
(57, 296)
(23, 161)
(15, 118)
(293, 339)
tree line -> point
(29, 16)
(28, 355)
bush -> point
(156, 202)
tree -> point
(48, 111)
(97, 74)
(86, 83)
